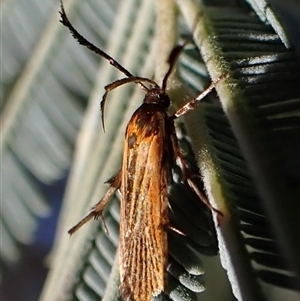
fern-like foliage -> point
(244, 139)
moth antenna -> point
(120, 82)
(83, 41)
(171, 61)
(173, 57)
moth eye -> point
(164, 100)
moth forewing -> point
(144, 213)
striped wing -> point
(144, 213)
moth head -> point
(157, 96)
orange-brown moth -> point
(150, 152)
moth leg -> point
(188, 177)
(97, 210)
(192, 104)
(174, 229)
(203, 198)
(178, 155)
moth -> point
(150, 151)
